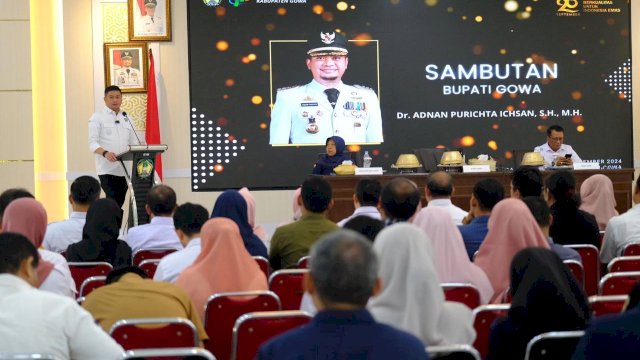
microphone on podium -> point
(126, 118)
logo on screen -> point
(567, 6)
(212, 3)
(237, 3)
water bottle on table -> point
(366, 159)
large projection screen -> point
(488, 77)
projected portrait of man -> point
(326, 106)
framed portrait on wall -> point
(125, 65)
(149, 20)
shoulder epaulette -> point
(362, 87)
(288, 87)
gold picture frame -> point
(143, 27)
(126, 66)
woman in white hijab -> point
(411, 297)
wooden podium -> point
(141, 178)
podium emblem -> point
(144, 168)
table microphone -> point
(126, 118)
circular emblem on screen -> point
(212, 3)
(144, 168)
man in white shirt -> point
(554, 151)
(188, 220)
(34, 321)
(84, 191)
(365, 200)
(159, 232)
(438, 193)
(110, 133)
(622, 230)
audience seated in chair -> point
(100, 237)
(365, 225)
(231, 205)
(411, 297)
(35, 321)
(83, 192)
(365, 200)
(449, 255)
(598, 199)
(438, 192)
(27, 216)
(130, 294)
(291, 242)
(400, 201)
(8, 196)
(342, 277)
(251, 213)
(546, 297)
(622, 229)
(224, 265)
(511, 229)
(526, 181)
(159, 232)
(188, 220)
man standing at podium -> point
(110, 132)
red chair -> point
(253, 329)
(463, 293)
(149, 266)
(631, 249)
(80, 271)
(287, 284)
(624, 263)
(146, 254)
(604, 305)
(577, 270)
(224, 309)
(263, 263)
(484, 316)
(303, 263)
(618, 283)
(591, 264)
(90, 284)
(167, 333)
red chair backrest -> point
(591, 265)
(90, 284)
(484, 316)
(619, 283)
(149, 266)
(146, 254)
(632, 249)
(624, 263)
(303, 263)
(604, 305)
(577, 270)
(224, 309)
(263, 263)
(165, 333)
(463, 293)
(80, 271)
(253, 329)
(287, 284)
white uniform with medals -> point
(303, 115)
(151, 26)
(127, 77)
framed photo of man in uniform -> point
(149, 20)
(125, 65)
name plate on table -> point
(475, 168)
(369, 171)
(586, 166)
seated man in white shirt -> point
(554, 151)
(159, 232)
(622, 230)
(365, 200)
(188, 220)
(35, 321)
(438, 193)
(84, 191)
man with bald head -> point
(399, 200)
(438, 193)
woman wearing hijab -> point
(598, 199)
(27, 216)
(251, 213)
(450, 255)
(546, 297)
(335, 155)
(100, 237)
(222, 266)
(511, 229)
(230, 204)
(570, 225)
(411, 298)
